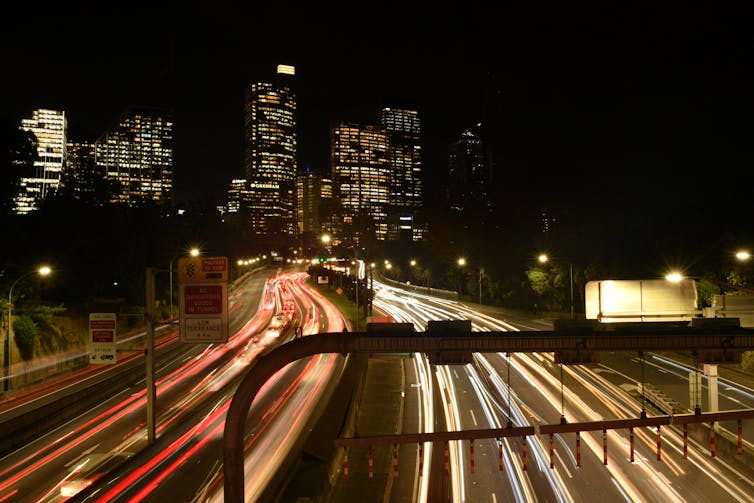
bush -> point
(25, 335)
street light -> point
(42, 271)
(544, 258)
(462, 263)
(194, 252)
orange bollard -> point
(500, 455)
(552, 453)
(471, 456)
(712, 440)
(371, 463)
(578, 449)
(659, 445)
(345, 464)
(395, 460)
(421, 459)
(604, 447)
(523, 454)
(740, 438)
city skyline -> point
(651, 104)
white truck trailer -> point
(652, 300)
(739, 306)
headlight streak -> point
(674, 442)
(729, 386)
(617, 404)
(519, 483)
(457, 467)
(426, 396)
(557, 484)
(650, 473)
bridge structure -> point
(572, 342)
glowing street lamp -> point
(743, 255)
(42, 271)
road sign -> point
(203, 270)
(203, 312)
(102, 343)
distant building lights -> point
(287, 69)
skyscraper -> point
(314, 194)
(469, 173)
(138, 154)
(404, 133)
(49, 128)
(270, 153)
(361, 172)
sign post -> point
(203, 298)
(102, 343)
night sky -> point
(635, 117)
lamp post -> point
(194, 252)
(543, 258)
(462, 263)
(42, 271)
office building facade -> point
(406, 194)
(137, 155)
(49, 129)
(361, 175)
(270, 153)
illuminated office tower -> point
(404, 132)
(314, 202)
(270, 153)
(49, 129)
(137, 154)
(360, 158)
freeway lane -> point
(187, 465)
(542, 397)
(61, 463)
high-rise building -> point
(404, 132)
(406, 198)
(314, 202)
(49, 128)
(82, 179)
(360, 158)
(138, 154)
(270, 152)
(469, 173)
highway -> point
(103, 455)
(60, 464)
(480, 395)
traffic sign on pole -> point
(203, 294)
(203, 270)
(204, 312)
(102, 328)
